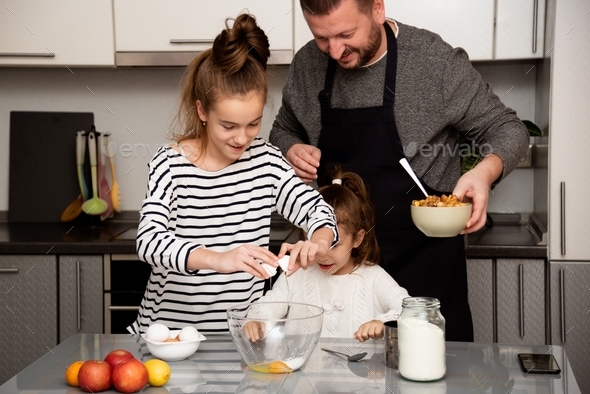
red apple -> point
(94, 376)
(117, 356)
(130, 376)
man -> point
(368, 92)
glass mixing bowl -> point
(290, 333)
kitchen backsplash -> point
(137, 105)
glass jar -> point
(421, 340)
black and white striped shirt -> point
(187, 208)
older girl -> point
(205, 221)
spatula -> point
(95, 205)
(115, 188)
(103, 184)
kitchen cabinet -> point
(80, 295)
(469, 25)
(507, 300)
(568, 134)
(465, 24)
(520, 290)
(570, 317)
(57, 33)
(568, 217)
(520, 29)
(29, 312)
(188, 26)
(486, 29)
(480, 280)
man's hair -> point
(324, 7)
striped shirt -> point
(187, 208)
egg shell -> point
(157, 332)
(269, 268)
(284, 262)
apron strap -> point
(324, 95)
(391, 67)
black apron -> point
(365, 140)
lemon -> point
(158, 372)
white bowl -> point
(173, 351)
(441, 221)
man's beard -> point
(366, 54)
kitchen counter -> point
(112, 236)
(217, 367)
(510, 236)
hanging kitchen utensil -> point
(73, 210)
(115, 198)
(80, 152)
(103, 184)
(95, 205)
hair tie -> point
(336, 181)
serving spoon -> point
(408, 168)
(351, 358)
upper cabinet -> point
(520, 27)
(145, 29)
(568, 133)
(486, 29)
(57, 33)
(465, 24)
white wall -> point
(143, 102)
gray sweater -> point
(439, 97)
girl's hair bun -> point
(236, 44)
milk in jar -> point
(421, 340)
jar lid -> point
(420, 302)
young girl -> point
(357, 295)
(205, 221)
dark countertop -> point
(506, 238)
(109, 237)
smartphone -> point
(538, 363)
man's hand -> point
(305, 160)
(371, 329)
(474, 186)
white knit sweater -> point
(349, 300)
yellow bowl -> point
(441, 221)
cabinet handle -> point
(562, 304)
(123, 308)
(78, 300)
(521, 298)
(24, 54)
(562, 218)
(9, 270)
(535, 19)
(191, 41)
